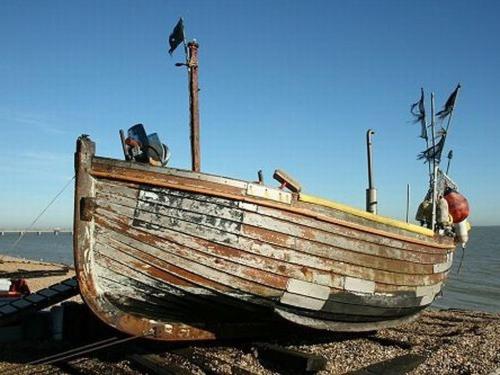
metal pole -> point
(434, 167)
(426, 139)
(194, 107)
(261, 177)
(407, 202)
(371, 192)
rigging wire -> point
(40, 214)
(75, 352)
(461, 261)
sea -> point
(473, 286)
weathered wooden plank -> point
(342, 323)
(413, 268)
(269, 211)
(345, 305)
(336, 267)
(367, 255)
(111, 170)
(434, 255)
(163, 253)
(102, 169)
(291, 359)
(156, 280)
(131, 190)
(386, 297)
(380, 257)
(351, 310)
(153, 364)
(428, 246)
(281, 261)
(154, 223)
(194, 176)
(395, 249)
(394, 366)
(393, 300)
(302, 301)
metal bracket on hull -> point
(87, 208)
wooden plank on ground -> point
(153, 364)
(290, 358)
(394, 366)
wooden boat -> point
(182, 255)
(157, 248)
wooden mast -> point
(194, 114)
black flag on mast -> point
(418, 110)
(449, 105)
(177, 36)
(433, 152)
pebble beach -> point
(450, 342)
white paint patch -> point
(428, 293)
(354, 284)
(322, 278)
(442, 267)
(262, 191)
(302, 301)
(308, 289)
(148, 195)
(198, 291)
(248, 206)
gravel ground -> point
(453, 342)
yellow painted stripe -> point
(366, 215)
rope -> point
(72, 353)
(40, 214)
(461, 261)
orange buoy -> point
(458, 206)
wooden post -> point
(194, 120)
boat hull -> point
(176, 255)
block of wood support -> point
(21, 303)
(71, 282)
(47, 292)
(292, 359)
(61, 287)
(7, 309)
(395, 366)
(34, 298)
(284, 178)
(153, 364)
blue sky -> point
(284, 84)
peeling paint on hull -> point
(179, 254)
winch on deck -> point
(144, 148)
